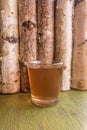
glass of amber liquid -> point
(45, 82)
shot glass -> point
(45, 82)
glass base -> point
(44, 103)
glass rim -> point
(39, 64)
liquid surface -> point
(45, 83)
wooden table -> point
(18, 113)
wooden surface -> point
(17, 113)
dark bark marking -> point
(16, 81)
(11, 39)
(40, 34)
(85, 42)
(78, 1)
(12, 12)
(29, 25)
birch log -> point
(9, 31)
(28, 33)
(79, 67)
(63, 38)
(45, 30)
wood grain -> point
(17, 113)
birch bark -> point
(10, 55)
(45, 30)
(28, 42)
(63, 38)
(79, 65)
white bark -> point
(79, 66)
(10, 62)
(63, 45)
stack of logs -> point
(42, 30)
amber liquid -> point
(45, 83)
